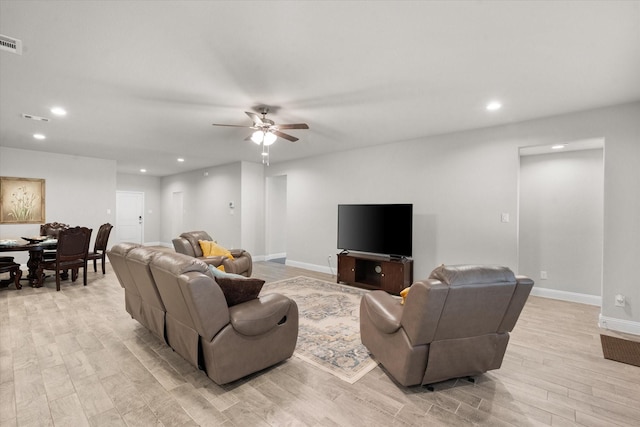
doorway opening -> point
(561, 219)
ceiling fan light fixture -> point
(269, 138)
(257, 137)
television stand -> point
(375, 272)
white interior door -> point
(129, 216)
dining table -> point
(35, 246)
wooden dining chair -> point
(7, 265)
(51, 230)
(71, 254)
(100, 246)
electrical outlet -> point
(620, 300)
(543, 275)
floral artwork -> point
(21, 200)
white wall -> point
(206, 197)
(460, 184)
(276, 216)
(561, 220)
(457, 191)
(79, 190)
(251, 210)
(151, 187)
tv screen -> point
(379, 229)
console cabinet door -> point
(392, 277)
(346, 269)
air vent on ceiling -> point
(10, 44)
(32, 117)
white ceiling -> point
(143, 80)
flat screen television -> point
(379, 229)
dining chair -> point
(7, 265)
(100, 246)
(51, 230)
(71, 254)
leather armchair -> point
(454, 324)
(187, 243)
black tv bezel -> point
(357, 248)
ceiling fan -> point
(266, 131)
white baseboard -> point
(619, 325)
(312, 267)
(567, 296)
(275, 256)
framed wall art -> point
(22, 200)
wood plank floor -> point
(75, 357)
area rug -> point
(329, 332)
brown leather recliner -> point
(188, 244)
(454, 324)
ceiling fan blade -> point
(285, 136)
(294, 126)
(253, 116)
(233, 126)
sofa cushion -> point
(237, 291)
(210, 248)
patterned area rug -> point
(329, 333)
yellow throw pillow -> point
(403, 294)
(210, 248)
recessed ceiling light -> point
(558, 147)
(59, 111)
(493, 106)
(180, 159)
(39, 136)
(143, 170)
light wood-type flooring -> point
(75, 357)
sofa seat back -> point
(117, 257)
(187, 320)
(152, 307)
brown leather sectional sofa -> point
(176, 297)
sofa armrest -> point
(213, 260)
(237, 253)
(260, 315)
(240, 264)
(384, 311)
